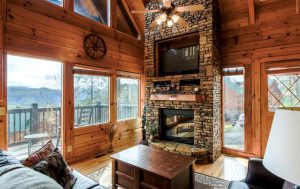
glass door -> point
(34, 104)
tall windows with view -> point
(127, 98)
(91, 99)
(34, 104)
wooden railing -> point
(22, 122)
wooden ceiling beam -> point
(251, 12)
(297, 6)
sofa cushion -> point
(7, 159)
(39, 155)
(241, 185)
(55, 166)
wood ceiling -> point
(237, 13)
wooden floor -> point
(226, 167)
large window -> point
(127, 98)
(34, 104)
(233, 104)
(94, 9)
(283, 90)
(91, 99)
(57, 2)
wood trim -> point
(2, 50)
(69, 5)
(256, 110)
(238, 153)
(68, 111)
(297, 6)
(251, 5)
(90, 72)
(3, 59)
(178, 97)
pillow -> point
(7, 159)
(39, 155)
(55, 166)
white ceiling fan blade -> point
(191, 8)
(144, 11)
(182, 22)
(167, 3)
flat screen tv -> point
(178, 56)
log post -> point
(34, 115)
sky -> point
(33, 73)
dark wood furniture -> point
(146, 168)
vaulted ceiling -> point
(237, 13)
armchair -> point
(258, 177)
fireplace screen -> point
(177, 125)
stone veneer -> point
(207, 114)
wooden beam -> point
(251, 12)
(113, 14)
(297, 6)
(69, 5)
(124, 2)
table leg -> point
(114, 165)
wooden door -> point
(280, 88)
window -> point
(91, 99)
(283, 90)
(34, 104)
(127, 98)
(57, 2)
(233, 108)
(94, 9)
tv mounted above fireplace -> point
(179, 55)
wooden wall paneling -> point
(68, 111)
(251, 11)
(51, 41)
(3, 118)
(297, 6)
(140, 18)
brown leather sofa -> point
(258, 177)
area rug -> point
(103, 176)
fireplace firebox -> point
(177, 125)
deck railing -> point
(22, 122)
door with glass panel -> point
(280, 88)
(34, 93)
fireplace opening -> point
(177, 125)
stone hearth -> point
(207, 112)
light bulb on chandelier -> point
(175, 18)
(170, 23)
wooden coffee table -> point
(148, 168)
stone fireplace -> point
(186, 107)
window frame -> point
(128, 75)
(93, 71)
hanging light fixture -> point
(170, 19)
